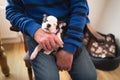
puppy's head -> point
(49, 24)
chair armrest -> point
(13, 28)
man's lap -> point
(45, 65)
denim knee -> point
(47, 76)
(83, 67)
(90, 76)
(86, 76)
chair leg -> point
(29, 69)
(28, 65)
(30, 73)
(27, 61)
(3, 63)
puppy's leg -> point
(59, 36)
(48, 52)
(35, 52)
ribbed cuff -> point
(70, 48)
(31, 28)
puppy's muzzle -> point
(47, 29)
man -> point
(27, 16)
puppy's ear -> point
(44, 18)
(61, 24)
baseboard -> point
(12, 40)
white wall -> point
(96, 8)
(2, 2)
(4, 26)
(105, 16)
(109, 21)
(5, 33)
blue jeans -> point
(45, 67)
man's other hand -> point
(64, 60)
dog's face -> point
(50, 24)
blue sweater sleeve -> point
(78, 18)
(15, 14)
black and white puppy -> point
(50, 25)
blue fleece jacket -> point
(27, 16)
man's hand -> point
(47, 41)
(64, 60)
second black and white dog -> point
(50, 24)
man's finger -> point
(60, 43)
(53, 44)
(44, 47)
(48, 45)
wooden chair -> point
(3, 61)
(26, 58)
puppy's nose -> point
(48, 25)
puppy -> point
(50, 25)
